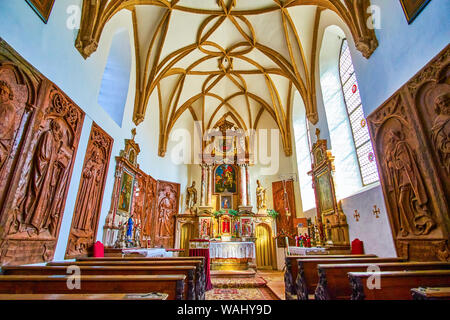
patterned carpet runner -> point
(251, 288)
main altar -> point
(224, 216)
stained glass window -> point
(361, 137)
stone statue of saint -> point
(8, 118)
(191, 196)
(166, 208)
(407, 185)
(440, 132)
(261, 198)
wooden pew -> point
(434, 293)
(173, 285)
(307, 277)
(85, 296)
(188, 271)
(333, 278)
(395, 285)
(198, 263)
(291, 269)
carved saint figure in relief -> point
(191, 196)
(8, 118)
(166, 208)
(407, 186)
(38, 208)
(89, 192)
(261, 198)
(440, 132)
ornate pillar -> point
(203, 186)
(242, 186)
(247, 179)
(210, 173)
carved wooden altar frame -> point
(125, 162)
(43, 8)
(43, 120)
(409, 122)
(331, 220)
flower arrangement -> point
(232, 212)
(272, 213)
(217, 214)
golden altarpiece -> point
(331, 220)
(224, 214)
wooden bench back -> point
(308, 276)
(395, 285)
(334, 283)
(173, 285)
(198, 263)
(188, 271)
(291, 268)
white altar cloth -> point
(151, 252)
(302, 251)
(225, 250)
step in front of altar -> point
(249, 273)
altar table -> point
(151, 252)
(302, 251)
(232, 250)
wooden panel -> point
(43, 8)
(284, 198)
(410, 132)
(40, 131)
(170, 284)
(88, 205)
(307, 277)
(395, 285)
(168, 197)
(333, 278)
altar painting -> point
(126, 192)
(225, 225)
(225, 179)
(205, 227)
(246, 227)
(325, 192)
(226, 202)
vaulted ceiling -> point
(225, 59)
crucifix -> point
(356, 215)
(376, 211)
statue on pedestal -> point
(261, 197)
(191, 198)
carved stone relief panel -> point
(87, 210)
(409, 135)
(168, 195)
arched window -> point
(358, 123)
(116, 77)
(303, 153)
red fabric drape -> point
(203, 253)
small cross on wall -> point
(376, 211)
(356, 215)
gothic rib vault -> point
(219, 58)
